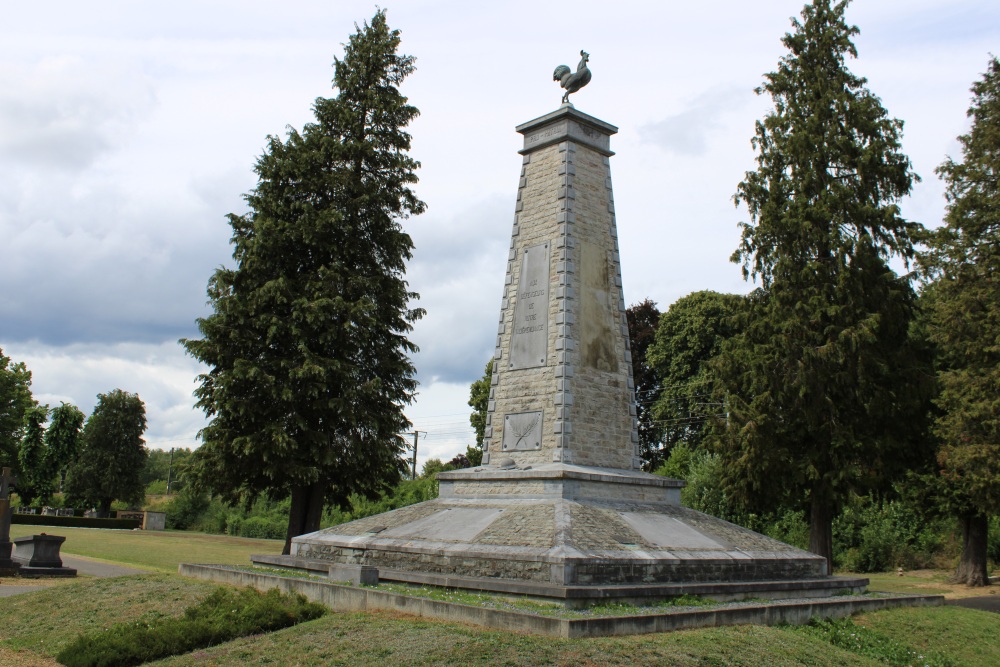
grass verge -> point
(155, 550)
(42, 623)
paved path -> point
(982, 603)
(89, 567)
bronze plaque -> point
(529, 337)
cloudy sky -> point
(129, 129)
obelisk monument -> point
(562, 386)
(559, 507)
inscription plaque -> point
(529, 337)
(521, 431)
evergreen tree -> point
(963, 260)
(37, 477)
(307, 348)
(642, 319)
(62, 439)
(822, 387)
(113, 455)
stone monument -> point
(8, 566)
(560, 508)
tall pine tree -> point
(37, 479)
(307, 347)
(821, 386)
(642, 319)
(963, 260)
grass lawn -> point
(34, 626)
(160, 550)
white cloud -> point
(161, 374)
(128, 131)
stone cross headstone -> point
(6, 564)
(5, 481)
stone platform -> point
(362, 598)
(572, 533)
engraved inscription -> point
(522, 431)
(529, 337)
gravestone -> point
(38, 555)
(560, 507)
(8, 566)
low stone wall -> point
(349, 598)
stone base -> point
(39, 551)
(559, 527)
(8, 566)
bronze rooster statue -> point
(573, 81)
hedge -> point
(74, 521)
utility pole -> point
(170, 467)
(416, 436)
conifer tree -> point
(642, 319)
(822, 384)
(307, 348)
(36, 479)
(963, 260)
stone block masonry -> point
(560, 507)
(573, 400)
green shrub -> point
(185, 508)
(260, 527)
(213, 519)
(790, 527)
(875, 536)
(157, 487)
(224, 615)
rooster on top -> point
(573, 81)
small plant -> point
(224, 615)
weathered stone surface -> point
(572, 509)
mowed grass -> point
(35, 626)
(41, 623)
(966, 636)
(155, 550)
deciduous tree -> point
(963, 260)
(113, 455)
(479, 400)
(15, 400)
(307, 348)
(689, 336)
(62, 438)
(823, 386)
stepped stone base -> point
(615, 533)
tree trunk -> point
(821, 532)
(972, 566)
(305, 513)
(104, 508)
